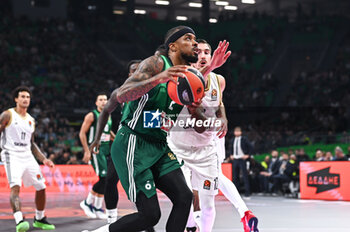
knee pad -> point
(99, 186)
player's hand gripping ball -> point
(189, 89)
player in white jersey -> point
(196, 145)
(17, 150)
(212, 102)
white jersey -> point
(17, 135)
(186, 135)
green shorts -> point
(99, 161)
(140, 162)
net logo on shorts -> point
(152, 119)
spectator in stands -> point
(329, 156)
(302, 156)
(272, 169)
(339, 154)
(255, 168)
(348, 155)
(287, 170)
(73, 160)
(319, 156)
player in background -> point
(92, 205)
(226, 186)
(18, 147)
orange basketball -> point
(189, 89)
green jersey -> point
(106, 134)
(151, 115)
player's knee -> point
(99, 186)
(152, 217)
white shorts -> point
(22, 167)
(201, 166)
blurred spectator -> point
(348, 155)
(339, 154)
(73, 160)
(319, 156)
(329, 156)
(302, 156)
(287, 170)
(272, 169)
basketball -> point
(189, 89)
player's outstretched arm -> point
(39, 155)
(219, 58)
(103, 119)
(148, 75)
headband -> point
(177, 35)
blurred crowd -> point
(278, 173)
(61, 68)
(66, 69)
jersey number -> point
(23, 135)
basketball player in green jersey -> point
(92, 205)
(140, 153)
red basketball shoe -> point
(250, 222)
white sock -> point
(18, 216)
(112, 212)
(230, 192)
(197, 217)
(207, 204)
(90, 198)
(39, 214)
(98, 202)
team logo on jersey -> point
(38, 176)
(206, 185)
(30, 123)
(171, 156)
(148, 185)
(214, 95)
(152, 119)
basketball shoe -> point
(250, 222)
(88, 209)
(43, 224)
(22, 226)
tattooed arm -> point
(148, 75)
(4, 120)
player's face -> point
(101, 101)
(204, 55)
(187, 46)
(133, 68)
(23, 99)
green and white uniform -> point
(99, 161)
(139, 153)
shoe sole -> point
(253, 224)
